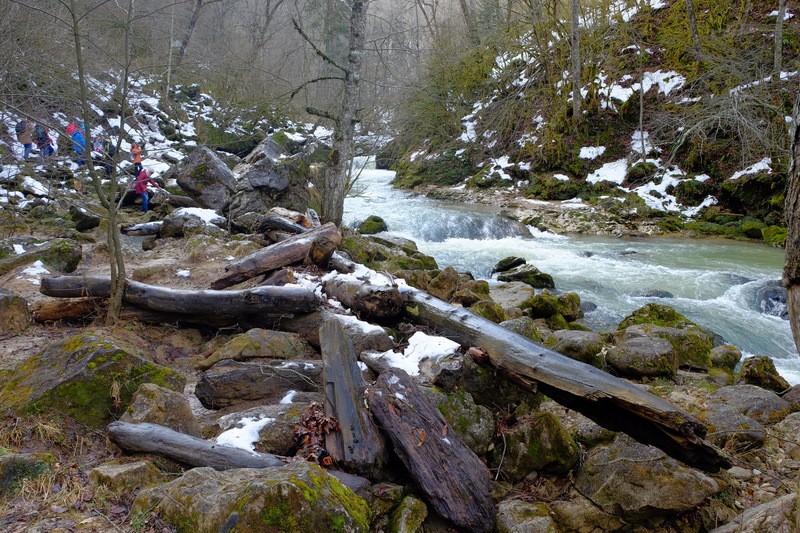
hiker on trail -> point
(41, 135)
(107, 155)
(24, 131)
(78, 143)
(136, 157)
(140, 187)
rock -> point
(783, 436)
(207, 179)
(585, 346)
(87, 377)
(517, 516)
(530, 275)
(229, 383)
(523, 326)
(258, 342)
(83, 218)
(537, 443)
(547, 305)
(384, 497)
(655, 293)
(60, 254)
(185, 222)
(445, 284)
(656, 315)
(473, 423)
(489, 310)
(643, 356)
(770, 299)
(508, 263)
(691, 345)
(760, 371)
(641, 483)
(276, 437)
(372, 225)
(581, 514)
(371, 253)
(159, 405)
(725, 356)
(118, 477)
(15, 467)
(793, 397)
(266, 149)
(267, 183)
(733, 431)
(780, 514)
(759, 404)
(15, 317)
(409, 516)
(296, 498)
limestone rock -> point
(409, 516)
(776, 516)
(296, 498)
(473, 423)
(517, 516)
(14, 467)
(760, 371)
(15, 317)
(159, 405)
(259, 342)
(759, 404)
(118, 477)
(585, 346)
(643, 356)
(207, 179)
(640, 482)
(89, 378)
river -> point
(712, 282)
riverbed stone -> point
(15, 316)
(260, 343)
(643, 356)
(657, 315)
(725, 356)
(781, 514)
(158, 405)
(641, 483)
(489, 310)
(579, 513)
(547, 305)
(445, 284)
(760, 370)
(473, 423)
(507, 263)
(372, 225)
(517, 516)
(755, 402)
(295, 498)
(530, 275)
(584, 346)
(691, 345)
(524, 326)
(732, 431)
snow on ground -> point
(613, 172)
(288, 397)
(761, 166)
(34, 273)
(246, 436)
(421, 347)
(209, 216)
(591, 152)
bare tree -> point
(575, 54)
(691, 14)
(777, 63)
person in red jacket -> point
(140, 187)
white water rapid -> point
(712, 282)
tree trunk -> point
(791, 271)
(153, 438)
(81, 309)
(453, 478)
(198, 6)
(253, 301)
(692, 16)
(778, 60)
(469, 20)
(358, 445)
(575, 54)
(369, 302)
(289, 251)
(611, 402)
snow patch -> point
(246, 436)
(420, 347)
(591, 152)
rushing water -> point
(712, 282)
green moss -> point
(372, 225)
(775, 235)
(657, 315)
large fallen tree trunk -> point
(153, 438)
(450, 474)
(611, 402)
(253, 301)
(289, 251)
(71, 310)
(368, 301)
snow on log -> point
(367, 300)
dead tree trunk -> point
(153, 438)
(609, 401)
(791, 270)
(71, 310)
(370, 302)
(455, 480)
(292, 250)
(252, 301)
(358, 445)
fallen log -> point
(208, 320)
(358, 445)
(252, 301)
(143, 229)
(289, 251)
(611, 402)
(454, 479)
(182, 201)
(321, 251)
(72, 310)
(153, 438)
(368, 301)
(276, 222)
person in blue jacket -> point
(78, 143)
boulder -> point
(725, 356)
(15, 317)
(641, 483)
(781, 514)
(537, 443)
(656, 315)
(793, 397)
(530, 275)
(760, 371)
(409, 516)
(508, 263)
(266, 183)
(489, 310)
(581, 514)
(511, 295)
(61, 254)
(230, 382)
(84, 219)
(585, 346)
(524, 326)
(372, 225)
(371, 253)
(691, 345)
(547, 305)
(383, 498)
(258, 342)
(159, 405)
(297, 498)
(15, 467)
(643, 356)
(87, 377)
(770, 299)
(759, 404)
(118, 477)
(277, 436)
(473, 423)
(733, 431)
(517, 516)
(185, 222)
(207, 179)
(445, 284)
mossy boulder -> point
(15, 467)
(547, 304)
(207, 179)
(473, 423)
(657, 315)
(15, 317)
(257, 343)
(760, 371)
(159, 405)
(643, 356)
(530, 275)
(691, 345)
(377, 256)
(537, 443)
(489, 387)
(725, 356)
(118, 477)
(489, 310)
(87, 377)
(508, 263)
(761, 405)
(445, 285)
(582, 346)
(63, 255)
(295, 498)
(524, 326)
(372, 225)
(409, 516)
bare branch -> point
(325, 57)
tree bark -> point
(454, 479)
(691, 14)
(777, 63)
(575, 54)
(275, 256)
(153, 438)
(81, 309)
(791, 270)
(469, 20)
(358, 445)
(369, 302)
(258, 300)
(611, 402)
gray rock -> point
(733, 431)
(267, 183)
(760, 370)
(580, 514)
(691, 345)
(585, 346)
(15, 317)
(489, 387)
(524, 326)
(183, 223)
(257, 343)
(15, 467)
(83, 218)
(776, 516)
(473, 423)
(60, 254)
(277, 437)
(206, 178)
(517, 516)
(793, 397)
(508, 263)
(641, 483)
(295, 498)
(159, 405)
(725, 356)
(770, 299)
(759, 404)
(118, 477)
(267, 149)
(643, 356)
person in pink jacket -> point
(140, 187)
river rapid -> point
(712, 282)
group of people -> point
(28, 133)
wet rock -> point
(777, 515)
(770, 299)
(655, 293)
(295, 498)
(372, 225)
(517, 516)
(585, 346)
(760, 371)
(548, 305)
(15, 467)
(508, 263)
(643, 356)
(524, 326)
(409, 516)
(207, 179)
(656, 315)
(159, 405)
(257, 343)
(530, 275)
(15, 317)
(118, 477)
